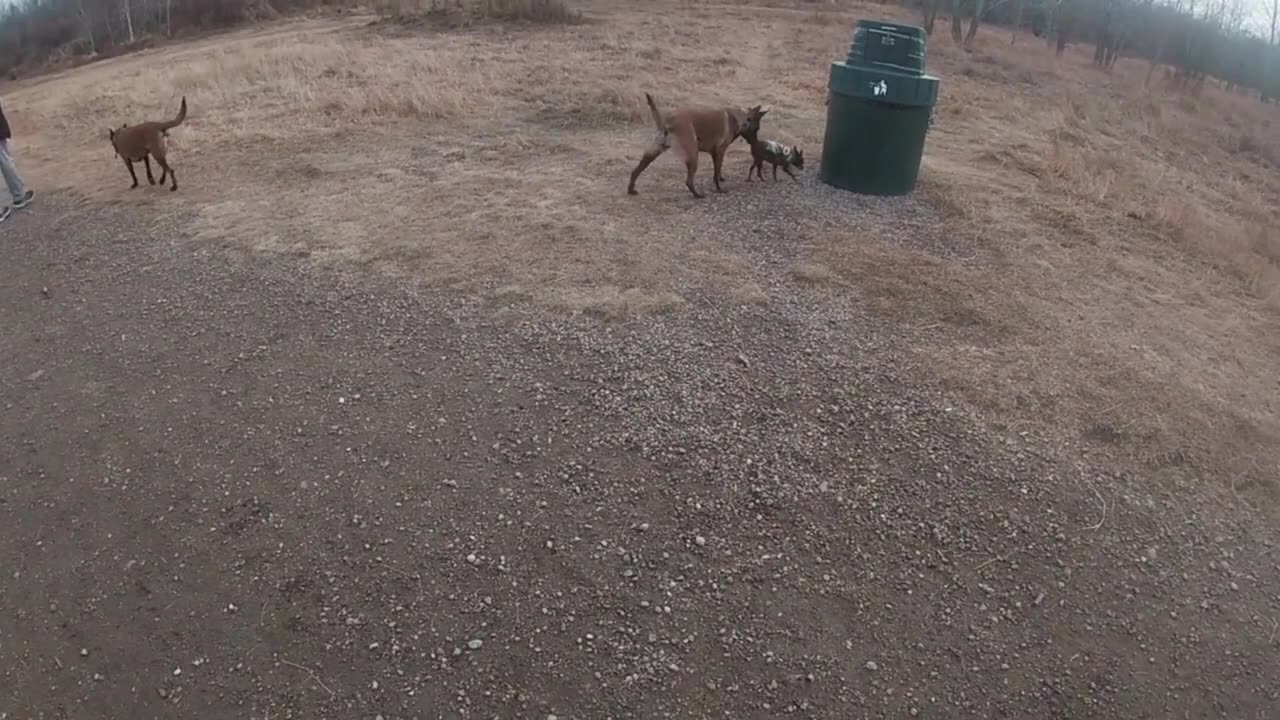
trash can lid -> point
(894, 88)
(888, 46)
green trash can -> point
(879, 105)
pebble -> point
(475, 644)
(84, 652)
(473, 559)
(872, 666)
(701, 541)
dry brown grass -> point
(463, 13)
(1124, 284)
(1133, 282)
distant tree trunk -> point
(1155, 60)
(957, 30)
(973, 23)
(1116, 47)
(1017, 22)
(128, 21)
(929, 8)
(88, 27)
(1051, 25)
(168, 18)
(1066, 24)
(1275, 19)
(1102, 48)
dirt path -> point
(241, 488)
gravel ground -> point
(237, 487)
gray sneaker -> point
(5, 213)
(25, 201)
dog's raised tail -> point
(182, 115)
(657, 116)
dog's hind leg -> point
(775, 173)
(132, 174)
(173, 178)
(166, 170)
(146, 159)
(658, 147)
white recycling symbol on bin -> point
(879, 88)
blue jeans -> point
(11, 177)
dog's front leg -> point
(775, 172)
(717, 163)
(787, 169)
(132, 174)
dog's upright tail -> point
(657, 116)
(182, 115)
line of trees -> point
(35, 33)
(1196, 38)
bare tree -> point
(929, 10)
(88, 27)
(957, 30)
(978, 6)
(128, 19)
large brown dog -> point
(139, 143)
(694, 130)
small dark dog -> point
(774, 153)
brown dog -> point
(139, 143)
(694, 130)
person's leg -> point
(11, 178)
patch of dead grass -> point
(812, 272)
(452, 14)
(614, 302)
(749, 294)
